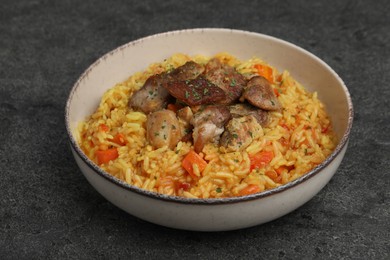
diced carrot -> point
(283, 167)
(103, 128)
(279, 78)
(193, 158)
(284, 142)
(265, 71)
(276, 92)
(325, 129)
(106, 155)
(182, 186)
(261, 159)
(119, 138)
(280, 169)
(172, 107)
(285, 127)
(272, 174)
(314, 134)
(250, 189)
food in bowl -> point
(208, 127)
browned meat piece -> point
(185, 116)
(209, 125)
(226, 78)
(163, 129)
(151, 97)
(194, 92)
(239, 133)
(244, 109)
(190, 70)
(259, 93)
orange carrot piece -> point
(261, 159)
(325, 129)
(265, 71)
(276, 92)
(283, 167)
(172, 107)
(250, 189)
(193, 158)
(182, 186)
(272, 174)
(103, 128)
(106, 155)
(119, 138)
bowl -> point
(210, 214)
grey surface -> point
(47, 208)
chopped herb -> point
(156, 134)
(305, 151)
(151, 92)
(163, 126)
(187, 95)
(205, 91)
(235, 136)
(251, 134)
(196, 95)
(236, 160)
(219, 190)
(233, 83)
(173, 127)
(165, 137)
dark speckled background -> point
(47, 208)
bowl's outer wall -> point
(119, 64)
(210, 217)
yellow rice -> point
(300, 138)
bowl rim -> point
(210, 201)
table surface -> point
(49, 210)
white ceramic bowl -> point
(210, 214)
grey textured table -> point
(47, 208)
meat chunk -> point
(185, 115)
(190, 70)
(226, 78)
(162, 129)
(259, 93)
(209, 125)
(151, 97)
(244, 109)
(198, 91)
(239, 133)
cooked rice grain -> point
(300, 138)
